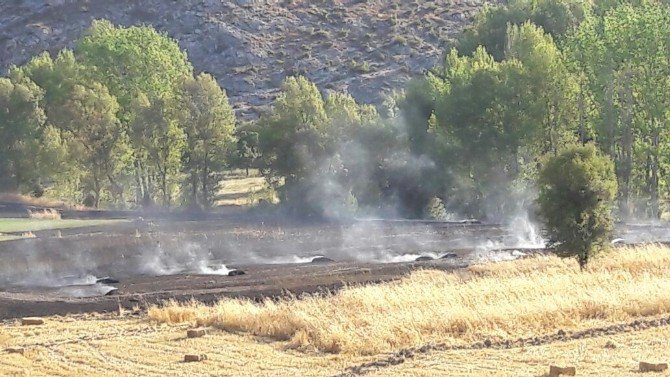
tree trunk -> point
(610, 121)
(582, 119)
(627, 140)
(194, 188)
(205, 184)
(655, 205)
(139, 190)
(164, 188)
(96, 190)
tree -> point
(208, 122)
(57, 78)
(247, 152)
(293, 135)
(21, 120)
(101, 143)
(577, 192)
(556, 17)
(326, 150)
(623, 58)
(159, 140)
(133, 62)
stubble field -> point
(509, 318)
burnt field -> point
(139, 262)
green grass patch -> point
(15, 225)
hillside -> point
(366, 47)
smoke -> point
(189, 257)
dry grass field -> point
(238, 189)
(326, 335)
(125, 346)
(103, 345)
(616, 355)
(507, 300)
(39, 202)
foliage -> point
(132, 61)
(623, 58)
(556, 17)
(21, 120)
(247, 152)
(122, 113)
(577, 192)
(158, 141)
(208, 122)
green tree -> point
(326, 152)
(556, 17)
(84, 128)
(546, 89)
(623, 59)
(577, 193)
(133, 62)
(247, 152)
(293, 136)
(21, 120)
(208, 122)
(100, 143)
(159, 140)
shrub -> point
(577, 192)
(46, 214)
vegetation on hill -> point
(121, 120)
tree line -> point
(122, 120)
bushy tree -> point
(159, 141)
(577, 192)
(101, 144)
(247, 152)
(132, 60)
(293, 135)
(557, 17)
(21, 120)
(85, 132)
(623, 59)
(208, 122)
(134, 63)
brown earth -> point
(366, 47)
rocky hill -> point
(366, 47)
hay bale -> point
(194, 358)
(555, 371)
(321, 259)
(32, 321)
(424, 258)
(196, 333)
(650, 367)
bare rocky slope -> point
(368, 48)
